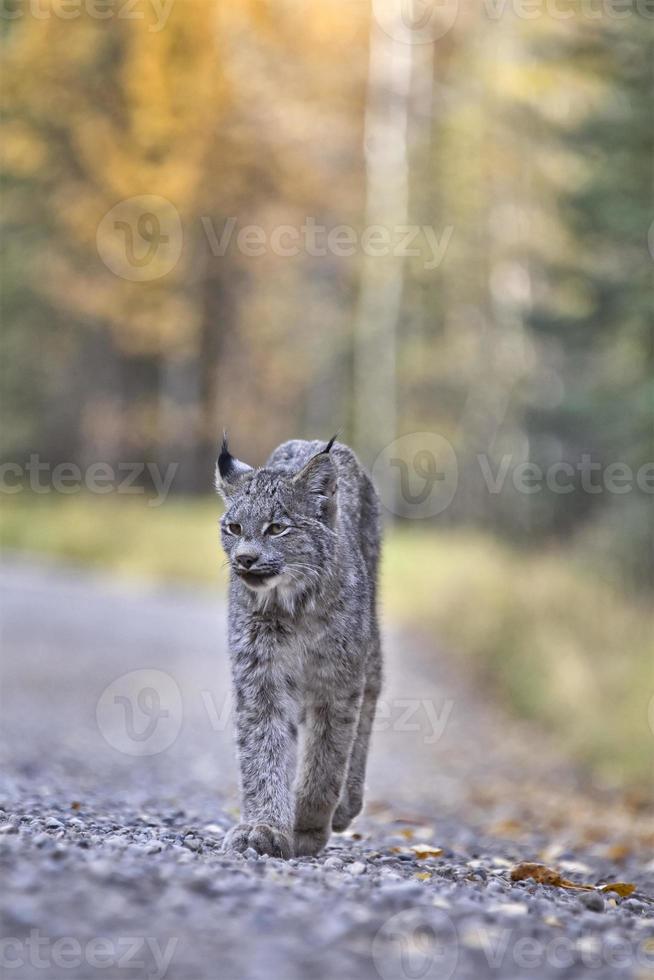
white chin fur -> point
(266, 586)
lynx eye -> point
(275, 529)
(234, 529)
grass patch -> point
(539, 631)
(178, 541)
(543, 634)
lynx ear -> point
(318, 476)
(228, 470)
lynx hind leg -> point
(351, 801)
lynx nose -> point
(246, 559)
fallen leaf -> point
(622, 888)
(422, 876)
(76, 805)
(422, 851)
(547, 876)
(544, 876)
(539, 872)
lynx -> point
(302, 537)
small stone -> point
(213, 828)
(356, 868)
(593, 901)
(389, 875)
(633, 904)
(333, 863)
(53, 824)
(495, 888)
(153, 847)
(250, 854)
(8, 828)
(192, 843)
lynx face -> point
(277, 527)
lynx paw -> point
(261, 836)
(310, 841)
(345, 813)
(341, 820)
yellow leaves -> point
(622, 888)
(419, 851)
(423, 851)
(547, 876)
(423, 876)
(23, 150)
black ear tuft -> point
(330, 444)
(225, 459)
(228, 470)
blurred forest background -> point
(519, 329)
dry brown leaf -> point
(622, 888)
(422, 851)
(544, 875)
(422, 876)
(547, 876)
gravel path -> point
(118, 782)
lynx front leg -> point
(266, 737)
(330, 728)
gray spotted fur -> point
(305, 648)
